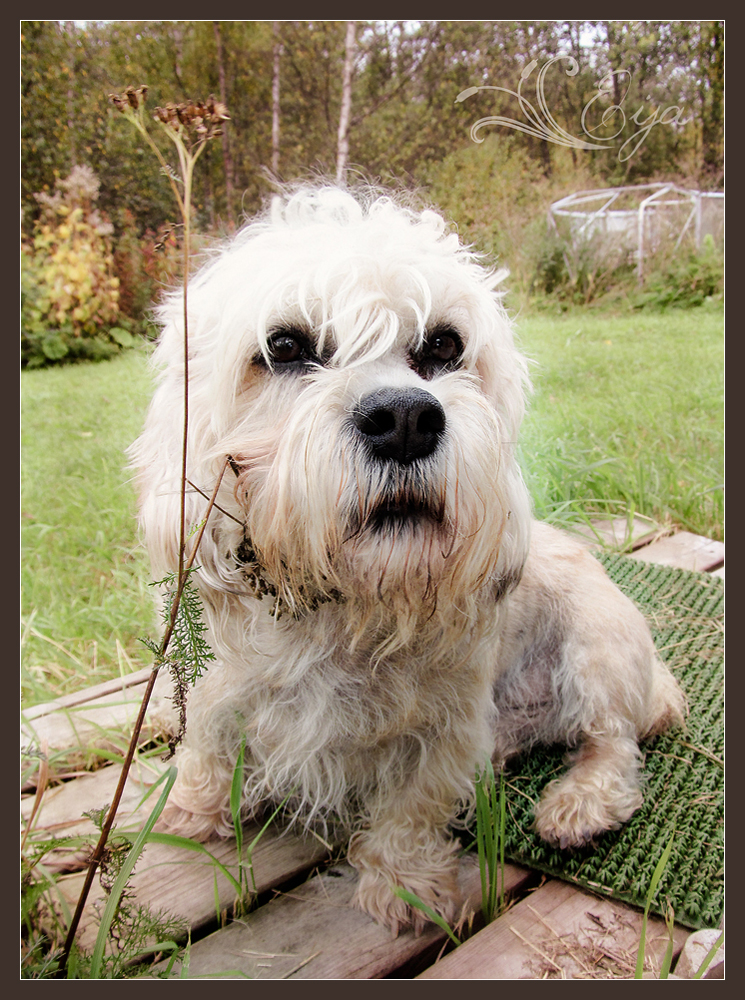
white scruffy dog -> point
(384, 613)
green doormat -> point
(684, 770)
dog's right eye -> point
(285, 348)
(289, 349)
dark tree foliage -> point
(405, 120)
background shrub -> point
(70, 294)
(687, 279)
(145, 267)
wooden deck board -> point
(684, 551)
(189, 886)
(315, 932)
(63, 805)
(159, 880)
(617, 533)
(96, 719)
(558, 931)
(89, 694)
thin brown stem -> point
(187, 160)
(109, 821)
(185, 439)
(217, 505)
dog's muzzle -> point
(400, 425)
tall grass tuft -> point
(246, 893)
(490, 831)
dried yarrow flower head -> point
(201, 119)
(131, 98)
(187, 125)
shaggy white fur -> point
(382, 620)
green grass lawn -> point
(85, 594)
(627, 413)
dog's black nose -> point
(400, 424)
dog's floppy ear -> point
(515, 541)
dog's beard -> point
(402, 529)
(397, 546)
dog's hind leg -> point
(600, 792)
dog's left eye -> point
(441, 351)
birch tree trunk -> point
(346, 104)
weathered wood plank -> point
(62, 807)
(315, 932)
(617, 533)
(104, 724)
(684, 551)
(341, 941)
(100, 718)
(88, 694)
(560, 932)
(166, 877)
(190, 886)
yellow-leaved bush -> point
(70, 295)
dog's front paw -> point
(376, 895)
(201, 826)
(199, 804)
(570, 814)
(433, 879)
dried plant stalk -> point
(189, 126)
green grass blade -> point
(502, 831)
(271, 819)
(414, 900)
(216, 894)
(656, 876)
(130, 861)
(709, 956)
(173, 840)
(236, 797)
(493, 841)
(667, 960)
(185, 960)
(481, 821)
(490, 830)
(257, 838)
(172, 947)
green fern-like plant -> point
(188, 652)
(188, 647)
